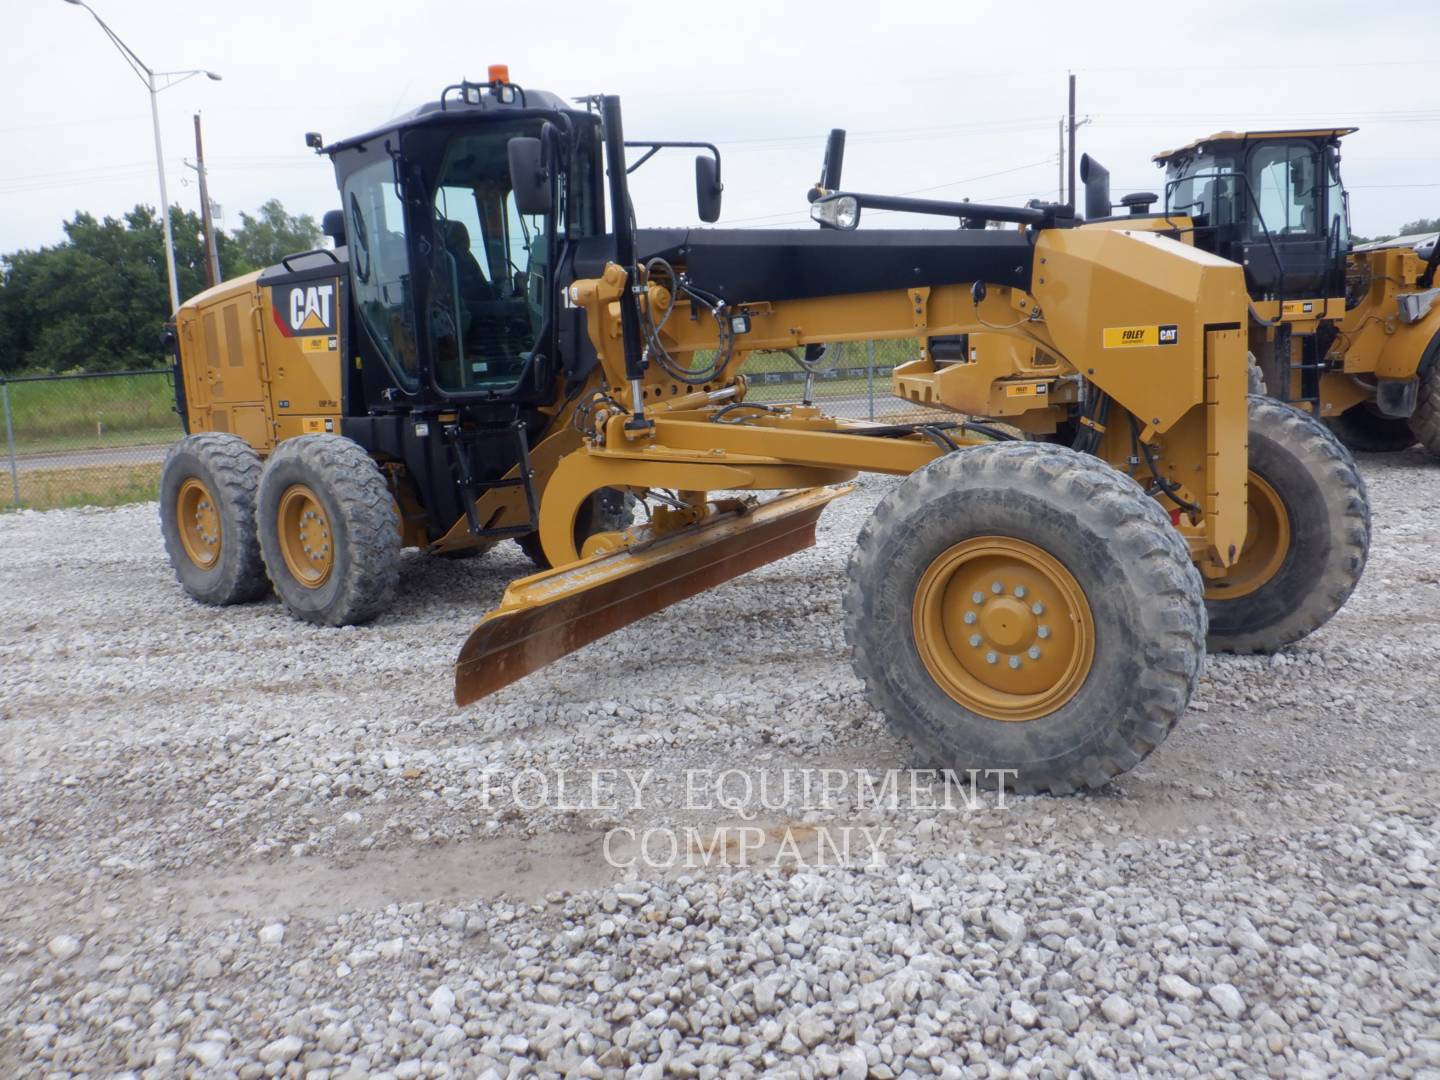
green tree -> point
(270, 235)
(1423, 225)
(98, 300)
(1410, 228)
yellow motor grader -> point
(1349, 334)
(486, 354)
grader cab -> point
(509, 357)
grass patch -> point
(81, 414)
(101, 485)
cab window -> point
(1204, 187)
(487, 268)
(1338, 203)
(1286, 191)
(380, 267)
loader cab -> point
(1272, 202)
(450, 279)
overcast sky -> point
(946, 98)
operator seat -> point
(474, 289)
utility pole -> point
(1061, 159)
(1072, 125)
(212, 248)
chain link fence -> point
(855, 382)
(99, 440)
(86, 440)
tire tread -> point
(235, 469)
(370, 567)
(1174, 613)
(1339, 479)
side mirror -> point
(529, 178)
(708, 188)
(314, 141)
(333, 226)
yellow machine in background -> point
(503, 365)
(1351, 335)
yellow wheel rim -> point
(1267, 542)
(199, 519)
(1003, 628)
(305, 540)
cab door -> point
(1288, 250)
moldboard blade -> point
(548, 615)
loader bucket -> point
(548, 615)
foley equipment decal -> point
(1135, 337)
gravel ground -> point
(234, 845)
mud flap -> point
(551, 614)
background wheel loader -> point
(1351, 335)
(483, 357)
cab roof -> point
(485, 99)
(1243, 137)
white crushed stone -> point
(275, 844)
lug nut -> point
(1014, 662)
(1043, 632)
(1033, 652)
(977, 597)
(990, 657)
(975, 641)
(1038, 608)
(1020, 591)
(969, 618)
(997, 588)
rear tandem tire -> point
(211, 539)
(329, 530)
(980, 563)
(1308, 536)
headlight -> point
(837, 211)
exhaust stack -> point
(1096, 179)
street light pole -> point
(151, 78)
(164, 197)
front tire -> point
(1026, 607)
(329, 530)
(1307, 538)
(1425, 423)
(207, 517)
